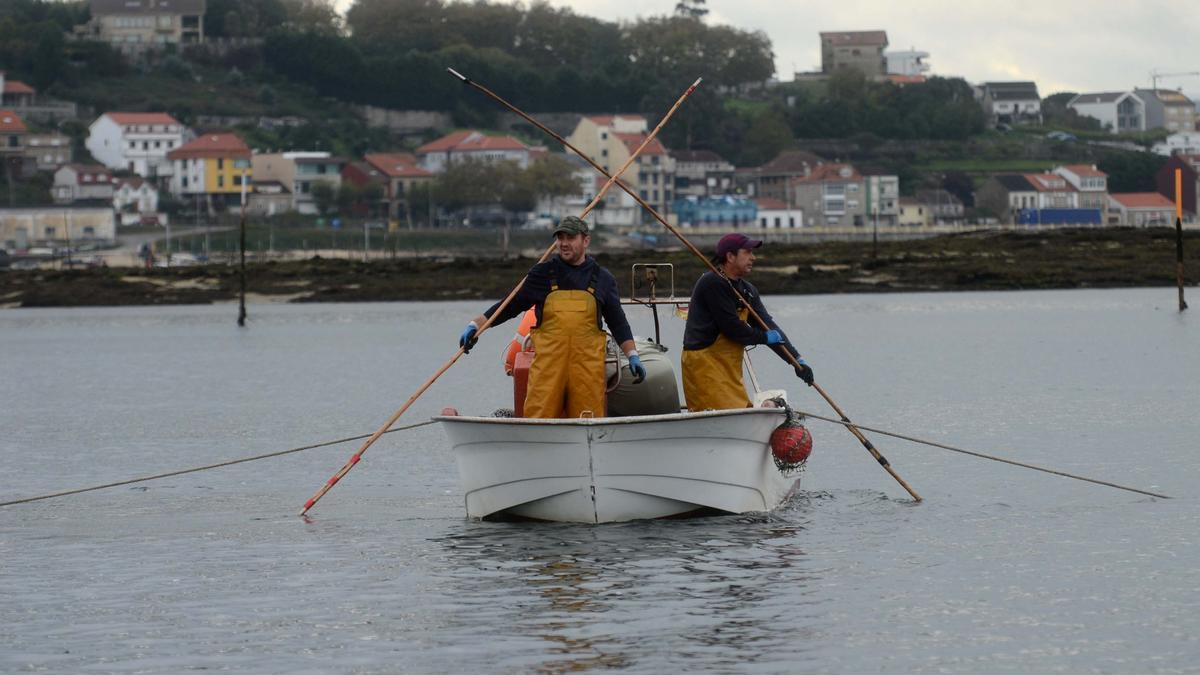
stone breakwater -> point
(1082, 258)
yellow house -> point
(212, 166)
(913, 212)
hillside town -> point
(128, 169)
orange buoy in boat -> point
(518, 342)
(791, 444)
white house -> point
(776, 214)
(909, 63)
(76, 182)
(1090, 183)
(1182, 143)
(135, 196)
(1010, 102)
(436, 156)
(138, 142)
(1118, 111)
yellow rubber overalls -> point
(712, 377)
(567, 374)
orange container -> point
(520, 376)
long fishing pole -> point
(883, 462)
(499, 310)
(985, 456)
(206, 467)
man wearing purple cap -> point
(717, 333)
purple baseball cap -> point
(732, 243)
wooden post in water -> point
(242, 246)
(1179, 236)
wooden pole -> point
(1179, 236)
(241, 321)
(695, 251)
(487, 324)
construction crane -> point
(1155, 76)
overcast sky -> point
(1063, 45)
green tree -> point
(768, 135)
(325, 197)
(243, 18)
(313, 16)
(691, 9)
(1130, 171)
(1055, 113)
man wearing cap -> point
(571, 293)
(716, 334)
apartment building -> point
(138, 25)
(211, 167)
(138, 142)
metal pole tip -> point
(457, 74)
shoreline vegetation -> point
(988, 260)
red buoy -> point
(791, 444)
(449, 412)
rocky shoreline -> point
(1073, 258)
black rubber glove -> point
(804, 372)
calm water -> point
(1001, 569)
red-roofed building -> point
(776, 214)
(773, 178)
(436, 156)
(839, 194)
(78, 182)
(212, 166)
(14, 93)
(1054, 192)
(138, 142)
(1091, 186)
(11, 123)
(400, 173)
(610, 140)
(12, 141)
(1140, 209)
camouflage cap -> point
(571, 225)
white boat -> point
(647, 461)
(612, 469)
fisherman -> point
(571, 292)
(716, 334)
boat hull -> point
(617, 469)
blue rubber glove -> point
(636, 367)
(774, 337)
(467, 339)
(804, 372)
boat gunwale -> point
(607, 421)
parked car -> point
(1062, 136)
